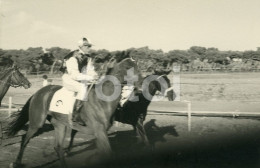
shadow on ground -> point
(233, 151)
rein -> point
(160, 77)
(94, 82)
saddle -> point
(63, 101)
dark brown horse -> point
(134, 113)
(14, 78)
(96, 112)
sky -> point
(122, 24)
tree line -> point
(196, 58)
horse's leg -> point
(72, 135)
(102, 141)
(140, 131)
(25, 140)
(60, 132)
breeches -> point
(75, 86)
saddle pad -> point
(62, 101)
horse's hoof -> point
(16, 165)
(67, 152)
(11, 165)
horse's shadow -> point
(122, 141)
(156, 134)
(127, 141)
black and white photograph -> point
(129, 84)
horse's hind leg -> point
(60, 132)
(102, 141)
(25, 140)
(140, 131)
(72, 135)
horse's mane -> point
(120, 62)
(121, 55)
(5, 73)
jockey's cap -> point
(85, 42)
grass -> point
(220, 87)
(235, 87)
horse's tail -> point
(21, 117)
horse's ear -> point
(111, 63)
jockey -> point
(77, 74)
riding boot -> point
(76, 110)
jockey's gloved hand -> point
(95, 77)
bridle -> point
(12, 83)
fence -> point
(39, 75)
(191, 109)
(11, 107)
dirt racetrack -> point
(212, 142)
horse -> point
(12, 77)
(96, 112)
(134, 112)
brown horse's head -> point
(118, 72)
(17, 79)
(126, 71)
(121, 66)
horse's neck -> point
(152, 90)
(4, 85)
(3, 89)
(109, 88)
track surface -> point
(212, 142)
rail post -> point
(188, 113)
(189, 116)
(1, 133)
(10, 107)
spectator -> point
(45, 80)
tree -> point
(253, 55)
(101, 55)
(179, 56)
(197, 51)
(5, 61)
(55, 55)
(142, 56)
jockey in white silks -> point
(76, 78)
